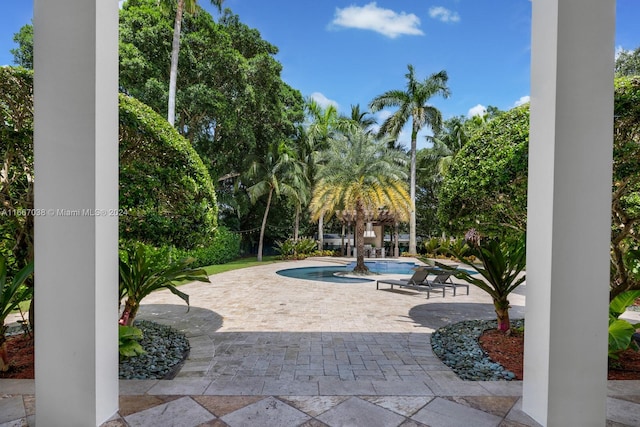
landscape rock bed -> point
(458, 348)
(166, 349)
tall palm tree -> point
(189, 6)
(279, 172)
(413, 104)
(360, 173)
(324, 122)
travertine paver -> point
(311, 350)
(445, 413)
(253, 331)
(358, 412)
(267, 412)
(177, 413)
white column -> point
(569, 217)
(76, 189)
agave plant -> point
(502, 263)
(140, 275)
(11, 294)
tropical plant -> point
(620, 330)
(189, 6)
(128, 337)
(11, 295)
(360, 174)
(279, 172)
(323, 124)
(140, 275)
(412, 103)
(502, 265)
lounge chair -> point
(418, 282)
(443, 280)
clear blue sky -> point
(348, 51)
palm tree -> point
(412, 104)
(359, 173)
(359, 118)
(324, 123)
(278, 172)
(189, 6)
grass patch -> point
(240, 263)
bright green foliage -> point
(23, 54)
(292, 249)
(486, 184)
(128, 337)
(11, 294)
(140, 275)
(223, 249)
(502, 264)
(621, 331)
(165, 188)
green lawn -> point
(239, 263)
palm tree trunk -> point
(296, 225)
(502, 311)
(321, 233)
(173, 72)
(360, 265)
(412, 193)
(264, 225)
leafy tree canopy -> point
(487, 184)
(628, 63)
(230, 98)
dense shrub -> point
(224, 247)
(16, 157)
(165, 188)
(486, 186)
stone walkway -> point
(268, 350)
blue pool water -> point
(328, 274)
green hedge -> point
(486, 186)
(223, 248)
(165, 189)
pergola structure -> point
(381, 217)
(76, 165)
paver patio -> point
(271, 350)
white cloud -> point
(443, 14)
(383, 21)
(522, 100)
(478, 110)
(322, 100)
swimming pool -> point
(328, 274)
(333, 273)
